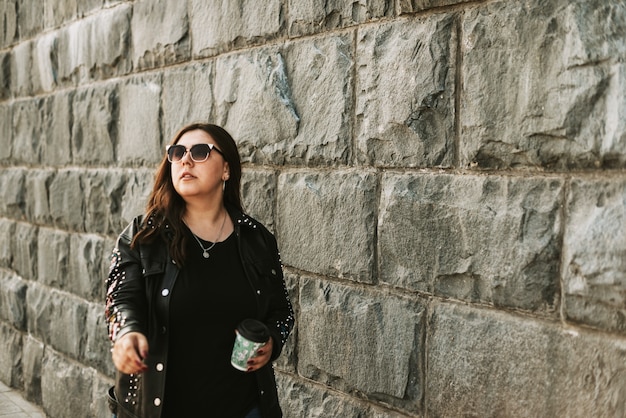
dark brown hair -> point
(166, 207)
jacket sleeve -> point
(125, 304)
(280, 319)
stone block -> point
(5, 75)
(57, 319)
(102, 195)
(53, 261)
(56, 149)
(548, 95)
(57, 12)
(139, 129)
(10, 356)
(12, 193)
(97, 352)
(374, 341)
(7, 232)
(594, 253)
(489, 239)
(298, 399)
(24, 250)
(258, 192)
(21, 69)
(45, 65)
(485, 363)
(29, 18)
(67, 200)
(32, 358)
(8, 22)
(139, 185)
(88, 266)
(63, 382)
(27, 131)
(110, 29)
(326, 222)
(405, 108)
(95, 114)
(306, 91)
(6, 132)
(36, 201)
(187, 97)
(12, 299)
(160, 33)
(220, 26)
(313, 16)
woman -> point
(182, 277)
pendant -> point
(205, 254)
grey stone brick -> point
(10, 356)
(7, 232)
(139, 185)
(63, 382)
(56, 133)
(335, 215)
(478, 238)
(488, 364)
(6, 132)
(53, 258)
(374, 340)
(221, 26)
(12, 299)
(57, 12)
(88, 266)
(522, 107)
(45, 62)
(8, 22)
(103, 200)
(405, 98)
(27, 126)
(29, 18)
(160, 33)
(312, 16)
(67, 200)
(79, 61)
(21, 69)
(5, 75)
(411, 6)
(56, 318)
(258, 190)
(187, 97)
(594, 254)
(24, 250)
(139, 127)
(97, 352)
(12, 193)
(95, 113)
(32, 358)
(36, 201)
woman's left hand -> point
(262, 357)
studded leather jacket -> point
(137, 299)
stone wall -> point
(446, 179)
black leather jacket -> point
(138, 288)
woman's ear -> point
(226, 172)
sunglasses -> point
(198, 152)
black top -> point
(210, 297)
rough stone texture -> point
(12, 298)
(477, 238)
(445, 179)
(522, 368)
(312, 16)
(335, 224)
(160, 33)
(521, 107)
(235, 23)
(405, 98)
(594, 259)
(362, 328)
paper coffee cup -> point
(251, 335)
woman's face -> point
(199, 179)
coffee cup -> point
(251, 335)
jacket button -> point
(163, 330)
(157, 401)
(274, 272)
(258, 292)
(165, 292)
(159, 367)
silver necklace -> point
(205, 251)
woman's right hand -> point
(129, 351)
